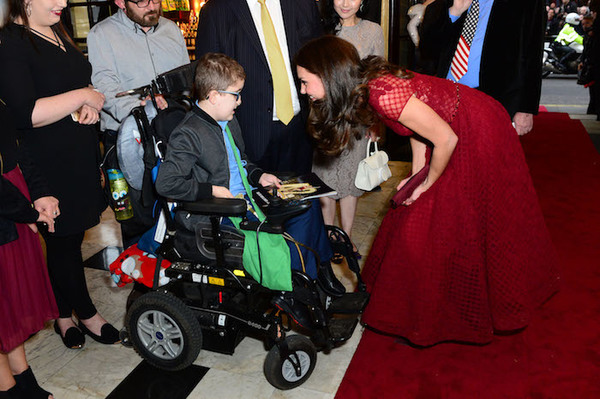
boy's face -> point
(227, 102)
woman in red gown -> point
(468, 254)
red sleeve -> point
(388, 96)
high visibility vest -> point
(568, 35)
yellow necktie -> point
(281, 83)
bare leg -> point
(6, 376)
(348, 210)
(328, 209)
(17, 360)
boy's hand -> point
(267, 180)
(160, 101)
(221, 192)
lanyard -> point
(259, 213)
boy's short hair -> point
(215, 71)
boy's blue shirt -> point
(236, 185)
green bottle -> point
(119, 190)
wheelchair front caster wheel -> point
(290, 364)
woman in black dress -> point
(45, 82)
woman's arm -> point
(48, 110)
(421, 119)
(418, 148)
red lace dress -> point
(472, 255)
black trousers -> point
(594, 105)
(289, 149)
(65, 267)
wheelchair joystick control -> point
(276, 200)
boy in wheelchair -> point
(201, 163)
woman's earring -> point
(362, 6)
(28, 9)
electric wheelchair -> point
(202, 298)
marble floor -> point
(96, 370)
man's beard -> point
(148, 20)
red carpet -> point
(558, 355)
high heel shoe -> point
(28, 387)
(108, 334)
(73, 339)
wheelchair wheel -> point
(164, 331)
(292, 369)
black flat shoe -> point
(108, 334)
(73, 339)
(28, 387)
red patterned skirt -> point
(26, 297)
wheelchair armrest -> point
(217, 207)
(252, 225)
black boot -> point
(28, 386)
(10, 394)
(328, 282)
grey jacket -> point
(196, 159)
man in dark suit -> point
(234, 27)
(507, 62)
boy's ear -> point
(212, 96)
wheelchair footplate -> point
(350, 303)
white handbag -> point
(373, 170)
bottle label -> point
(119, 190)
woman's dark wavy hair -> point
(17, 9)
(331, 19)
(345, 110)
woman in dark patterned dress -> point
(468, 254)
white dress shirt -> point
(274, 8)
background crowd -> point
(558, 9)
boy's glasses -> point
(144, 3)
(237, 94)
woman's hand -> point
(48, 206)
(43, 218)
(93, 98)
(221, 192)
(421, 188)
(459, 7)
(88, 115)
(267, 180)
(523, 123)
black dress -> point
(66, 152)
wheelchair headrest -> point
(178, 80)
